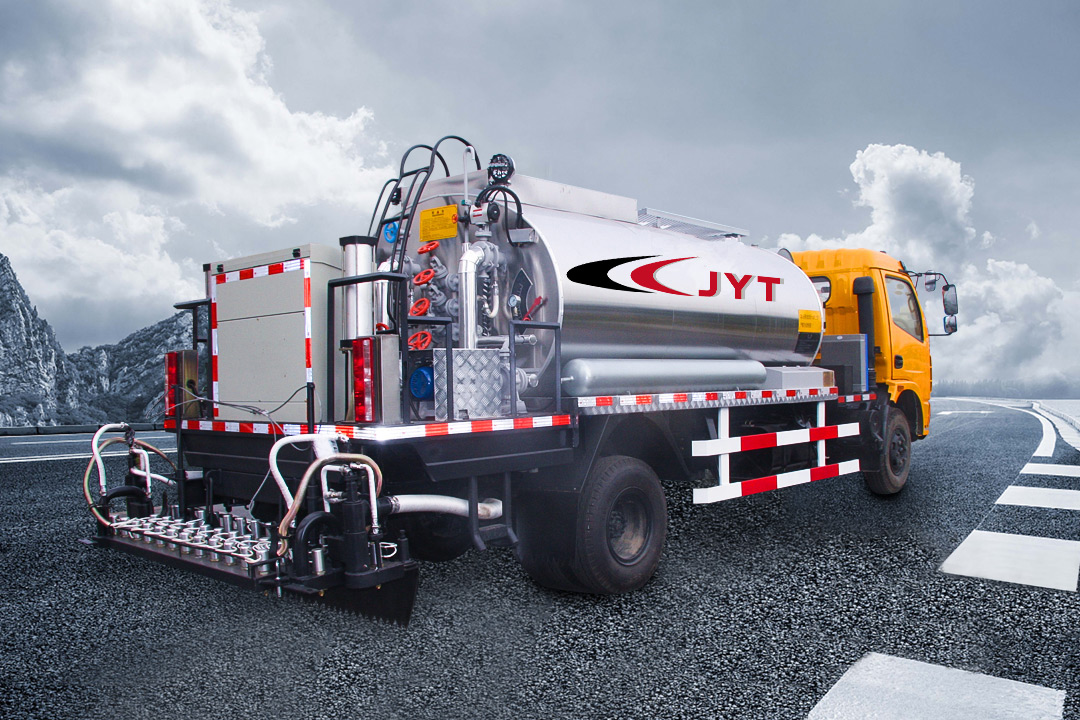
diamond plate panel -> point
(478, 384)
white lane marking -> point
(87, 456)
(891, 688)
(84, 440)
(964, 412)
(1040, 497)
(1066, 428)
(1021, 559)
(1053, 470)
(1049, 437)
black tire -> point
(436, 537)
(605, 539)
(895, 460)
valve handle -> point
(428, 247)
(420, 307)
(420, 340)
(423, 277)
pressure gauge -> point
(500, 168)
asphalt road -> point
(759, 607)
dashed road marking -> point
(83, 440)
(86, 456)
(1053, 470)
(891, 688)
(1021, 559)
(1040, 497)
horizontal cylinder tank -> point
(622, 288)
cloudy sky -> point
(142, 138)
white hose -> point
(489, 509)
(327, 469)
(316, 438)
(144, 470)
(96, 451)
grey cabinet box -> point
(270, 334)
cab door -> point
(909, 354)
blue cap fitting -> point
(422, 383)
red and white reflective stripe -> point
(727, 446)
(382, 433)
(856, 398)
(213, 347)
(260, 271)
(679, 398)
(306, 265)
(772, 482)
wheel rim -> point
(629, 526)
(898, 452)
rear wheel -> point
(895, 460)
(605, 539)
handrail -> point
(533, 325)
(331, 285)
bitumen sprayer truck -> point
(509, 361)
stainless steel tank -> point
(622, 289)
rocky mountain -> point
(40, 384)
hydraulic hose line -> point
(313, 469)
(140, 448)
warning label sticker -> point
(439, 223)
(809, 321)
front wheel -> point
(895, 459)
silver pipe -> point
(616, 376)
(489, 509)
(382, 292)
(358, 259)
(469, 150)
(373, 496)
(470, 259)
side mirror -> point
(948, 299)
(950, 324)
(930, 283)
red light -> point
(363, 357)
(171, 379)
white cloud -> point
(1015, 324)
(1033, 231)
(173, 96)
(125, 120)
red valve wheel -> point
(420, 340)
(420, 307)
(382, 326)
(423, 277)
(428, 247)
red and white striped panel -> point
(604, 404)
(303, 264)
(260, 271)
(772, 482)
(856, 398)
(382, 433)
(214, 346)
(727, 446)
(306, 265)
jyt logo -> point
(596, 274)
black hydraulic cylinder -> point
(355, 546)
(863, 287)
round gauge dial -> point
(500, 169)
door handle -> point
(898, 361)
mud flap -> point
(391, 601)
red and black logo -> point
(596, 274)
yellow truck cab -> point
(870, 293)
